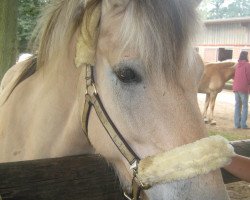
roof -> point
(230, 20)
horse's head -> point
(146, 74)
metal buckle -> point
(136, 185)
(140, 184)
(90, 84)
(91, 89)
(134, 166)
(127, 196)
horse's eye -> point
(127, 75)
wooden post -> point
(8, 34)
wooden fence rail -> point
(85, 177)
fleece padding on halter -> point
(87, 40)
(186, 161)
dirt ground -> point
(223, 114)
(224, 109)
(239, 190)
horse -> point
(212, 82)
(116, 78)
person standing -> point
(241, 88)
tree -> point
(203, 9)
(219, 9)
(239, 9)
(17, 21)
(28, 11)
(8, 36)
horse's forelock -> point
(161, 31)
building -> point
(224, 39)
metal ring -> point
(127, 196)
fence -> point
(85, 177)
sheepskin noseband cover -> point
(186, 161)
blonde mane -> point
(55, 28)
(167, 28)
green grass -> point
(227, 135)
(230, 81)
(229, 85)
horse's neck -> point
(67, 81)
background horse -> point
(145, 76)
(212, 82)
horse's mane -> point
(161, 31)
(167, 28)
(57, 23)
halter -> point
(184, 162)
(187, 161)
(92, 99)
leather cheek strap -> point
(116, 137)
(92, 99)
